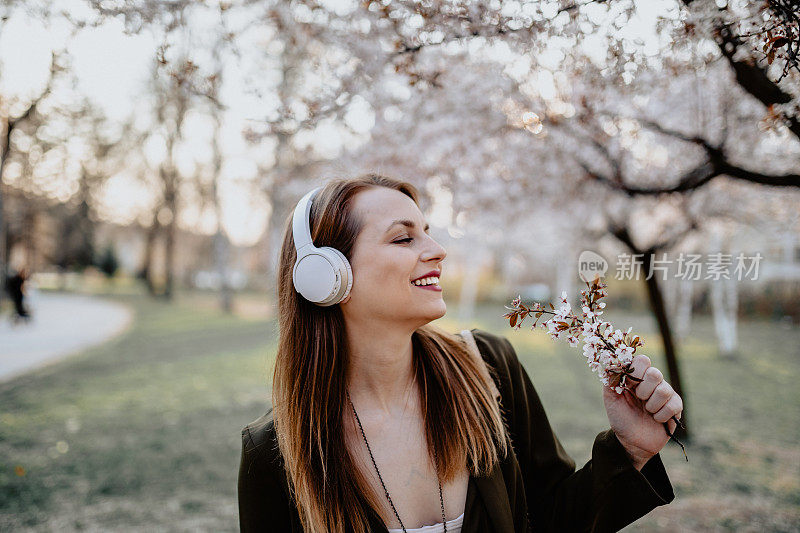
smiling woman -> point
(380, 420)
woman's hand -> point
(637, 415)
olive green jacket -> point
(536, 488)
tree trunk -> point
(3, 270)
(565, 278)
(683, 308)
(678, 301)
(221, 256)
(169, 177)
(670, 351)
(221, 241)
(724, 305)
(146, 271)
(5, 142)
(169, 254)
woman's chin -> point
(442, 310)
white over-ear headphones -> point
(321, 275)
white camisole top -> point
(453, 526)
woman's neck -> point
(380, 370)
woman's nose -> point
(434, 251)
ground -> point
(61, 324)
(143, 432)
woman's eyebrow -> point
(407, 223)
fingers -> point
(660, 398)
(661, 395)
(639, 365)
(673, 407)
(652, 377)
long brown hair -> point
(308, 394)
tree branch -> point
(622, 234)
(717, 164)
(501, 29)
(750, 76)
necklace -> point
(441, 499)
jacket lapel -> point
(494, 494)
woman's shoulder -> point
(496, 350)
(264, 500)
(259, 440)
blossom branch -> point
(608, 351)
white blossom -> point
(608, 351)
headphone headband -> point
(301, 224)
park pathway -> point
(63, 324)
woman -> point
(381, 422)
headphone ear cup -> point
(345, 275)
(323, 276)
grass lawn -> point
(143, 433)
